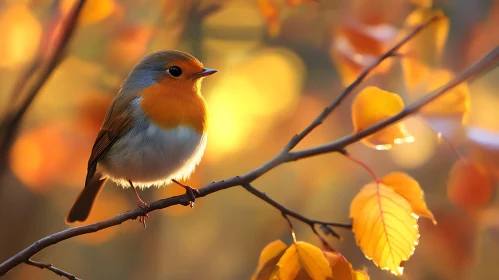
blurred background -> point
(280, 63)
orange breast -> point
(174, 105)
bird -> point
(154, 131)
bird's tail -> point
(83, 204)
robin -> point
(154, 132)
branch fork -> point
(286, 155)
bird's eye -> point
(174, 71)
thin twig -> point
(444, 138)
(287, 212)
(52, 268)
(12, 121)
(486, 63)
(337, 146)
(24, 80)
(329, 109)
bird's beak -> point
(205, 72)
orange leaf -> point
(409, 189)
(341, 268)
(455, 102)
(447, 113)
(368, 39)
(357, 46)
(384, 227)
(302, 258)
(469, 185)
(428, 44)
(268, 260)
(373, 105)
(419, 76)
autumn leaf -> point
(269, 257)
(302, 257)
(470, 186)
(373, 105)
(429, 43)
(341, 268)
(420, 77)
(447, 113)
(384, 227)
(357, 45)
(409, 189)
(455, 102)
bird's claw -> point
(191, 192)
(142, 219)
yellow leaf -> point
(455, 102)
(300, 257)
(384, 227)
(269, 257)
(373, 105)
(409, 189)
(428, 44)
(361, 275)
(447, 113)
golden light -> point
(251, 95)
(21, 34)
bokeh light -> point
(21, 32)
(249, 92)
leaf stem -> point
(363, 165)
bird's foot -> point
(142, 205)
(190, 191)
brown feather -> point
(117, 122)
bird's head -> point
(171, 68)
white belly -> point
(150, 156)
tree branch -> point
(329, 109)
(284, 156)
(52, 268)
(485, 64)
(10, 124)
(338, 145)
(287, 212)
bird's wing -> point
(117, 122)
